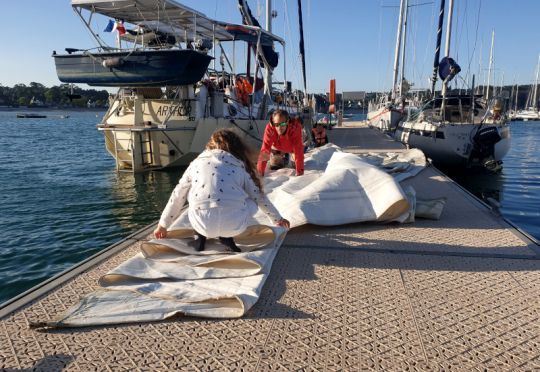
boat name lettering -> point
(175, 110)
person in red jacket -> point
(282, 135)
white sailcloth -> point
(168, 277)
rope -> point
(245, 131)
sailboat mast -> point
(447, 41)
(535, 95)
(447, 51)
(402, 74)
(302, 48)
(490, 64)
(268, 71)
(517, 96)
(398, 48)
(437, 49)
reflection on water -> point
(482, 183)
(141, 197)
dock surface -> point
(460, 293)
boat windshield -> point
(455, 109)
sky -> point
(351, 41)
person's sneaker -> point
(229, 242)
(198, 242)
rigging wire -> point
(427, 52)
(379, 81)
(293, 46)
(475, 36)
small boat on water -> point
(31, 116)
(531, 113)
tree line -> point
(55, 96)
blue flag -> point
(110, 26)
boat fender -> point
(112, 62)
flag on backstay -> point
(110, 26)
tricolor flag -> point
(119, 26)
(110, 26)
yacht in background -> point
(386, 112)
(174, 91)
(457, 130)
(532, 112)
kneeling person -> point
(223, 191)
(282, 136)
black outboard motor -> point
(484, 146)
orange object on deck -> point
(243, 90)
(332, 91)
(332, 109)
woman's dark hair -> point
(279, 112)
(228, 140)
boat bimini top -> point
(171, 17)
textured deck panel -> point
(455, 298)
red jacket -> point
(290, 142)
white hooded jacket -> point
(215, 179)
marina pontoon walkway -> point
(461, 293)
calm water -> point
(63, 201)
(517, 186)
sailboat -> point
(532, 112)
(457, 129)
(171, 95)
(385, 113)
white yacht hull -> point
(451, 144)
(384, 118)
(139, 141)
(526, 115)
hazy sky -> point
(349, 40)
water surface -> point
(61, 198)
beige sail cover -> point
(169, 277)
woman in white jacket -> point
(223, 191)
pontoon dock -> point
(461, 293)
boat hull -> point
(526, 115)
(133, 69)
(452, 144)
(148, 134)
(384, 118)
